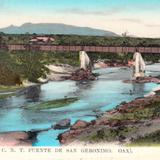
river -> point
(103, 94)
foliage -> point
(30, 65)
(151, 111)
(109, 134)
(8, 75)
(4, 96)
(71, 58)
(83, 40)
(18, 65)
(152, 139)
(9, 88)
(52, 104)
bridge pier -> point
(138, 65)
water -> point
(103, 94)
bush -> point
(8, 74)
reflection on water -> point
(33, 93)
(83, 86)
(139, 89)
(103, 94)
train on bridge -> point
(72, 48)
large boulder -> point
(63, 124)
(59, 72)
(68, 136)
(74, 131)
(82, 74)
(79, 125)
(17, 138)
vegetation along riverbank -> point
(16, 66)
(133, 123)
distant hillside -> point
(55, 28)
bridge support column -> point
(138, 65)
(85, 62)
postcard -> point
(79, 80)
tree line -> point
(83, 40)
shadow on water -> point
(31, 93)
(83, 86)
(138, 89)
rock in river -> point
(143, 80)
(31, 92)
(82, 74)
(63, 124)
(75, 130)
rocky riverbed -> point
(148, 79)
(128, 123)
(85, 102)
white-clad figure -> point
(85, 62)
(138, 65)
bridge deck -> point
(65, 48)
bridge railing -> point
(72, 48)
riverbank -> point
(133, 124)
(56, 73)
(93, 96)
(5, 88)
(9, 91)
(136, 122)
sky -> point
(136, 17)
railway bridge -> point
(73, 48)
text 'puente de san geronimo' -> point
(72, 48)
